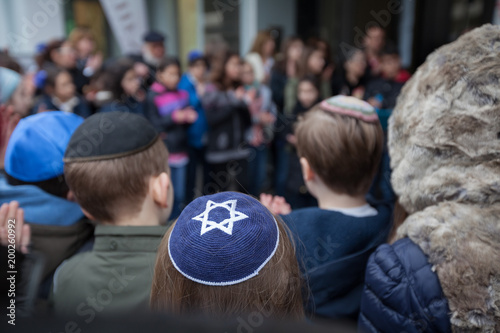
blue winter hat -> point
(223, 239)
(36, 147)
(195, 55)
(9, 81)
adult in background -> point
(153, 51)
(88, 60)
(285, 69)
(441, 273)
(261, 56)
(374, 43)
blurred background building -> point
(417, 27)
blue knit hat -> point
(9, 81)
(36, 147)
(223, 239)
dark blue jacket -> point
(333, 249)
(402, 293)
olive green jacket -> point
(115, 277)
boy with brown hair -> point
(339, 143)
(116, 166)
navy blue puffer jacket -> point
(402, 293)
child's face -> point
(85, 46)
(357, 64)
(390, 65)
(170, 76)
(198, 70)
(307, 94)
(295, 50)
(268, 48)
(64, 87)
(316, 62)
(233, 68)
(65, 56)
(130, 82)
(247, 76)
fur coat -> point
(444, 142)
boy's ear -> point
(89, 216)
(160, 188)
(307, 172)
(71, 196)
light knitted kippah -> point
(223, 239)
(350, 106)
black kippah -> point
(110, 135)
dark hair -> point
(56, 186)
(45, 56)
(8, 62)
(303, 69)
(390, 49)
(311, 79)
(168, 61)
(114, 76)
(193, 62)
(219, 72)
(52, 74)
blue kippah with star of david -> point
(223, 239)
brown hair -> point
(343, 151)
(282, 57)
(219, 77)
(276, 290)
(258, 44)
(303, 66)
(79, 33)
(109, 188)
(46, 55)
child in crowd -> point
(194, 82)
(125, 87)
(382, 92)
(284, 70)
(169, 111)
(116, 166)
(307, 96)
(261, 56)
(59, 94)
(227, 109)
(34, 178)
(339, 143)
(243, 262)
(263, 112)
(312, 64)
(350, 79)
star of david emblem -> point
(225, 225)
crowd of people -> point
(257, 183)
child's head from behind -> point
(340, 143)
(169, 72)
(116, 166)
(243, 261)
(35, 151)
(59, 83)
(308, 91)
